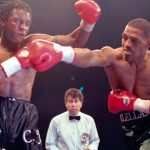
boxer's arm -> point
(44, 55)
(81, 57)
(89, 12)
(94, 58)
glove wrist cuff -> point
(142, 105)
(68, 54)
(87, 27)
(11, 66)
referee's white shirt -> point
(65, 134)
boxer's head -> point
(8, 6)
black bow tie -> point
(74, 117)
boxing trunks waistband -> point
(13, 99)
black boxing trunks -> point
(18, 125)
(136, 128)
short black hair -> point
(141, 24)
(8, 6)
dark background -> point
(59, 17)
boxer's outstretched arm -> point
(85, 58)
(80, 57)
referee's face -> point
(73, 105)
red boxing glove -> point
(19, 61)
(42, 56)
(89, 12)
(120, 100)
(45, 54)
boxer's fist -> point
(120, 100)
(88, 10)
(45, 54)
(17, 62)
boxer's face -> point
(73, 105)
(16, 27)
(134, 44)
